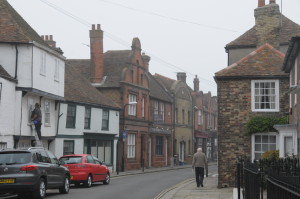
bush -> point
(271, 155)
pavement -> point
(187, 189)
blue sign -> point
(124, 135)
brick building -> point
(252, 85)
(183, 146)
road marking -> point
(161, 194)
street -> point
(141, 186)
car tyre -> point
(66, 186)
(88, 182)
(107, 179)
(40, 191)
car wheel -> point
(66, 187)
(40, 191)
(88, 182)
(107, 179)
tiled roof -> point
(13, 28)
(156, 89)
(164, 81)
(289, 29)
(114, 63)
(5, 74)
(79, 90)
(291, 53)
(264, 61)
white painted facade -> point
(39, 72)
(78, 134)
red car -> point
(86, 169)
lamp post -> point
(124, 134)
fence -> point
(280, 177)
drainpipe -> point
(16, 65)
(59, 115)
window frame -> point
(131, 145)
(73, 148)
(276, 95)
(162, 110)
(47, 113)
(200, 117)
(73, 117)
(159, 145)
(253, 143)
(132, 107)
(105, 120)
(87, 120)
(56, 70)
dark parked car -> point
(30, 172)
(86, 169)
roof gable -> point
(156, 89)
(13, 28)
(264, 61)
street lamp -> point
(124, 134)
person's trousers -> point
(38, 130)
(199, 172)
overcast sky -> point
(179, 35)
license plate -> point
(71, 178)
(7, 181)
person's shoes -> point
(198, 185)
(201, 185)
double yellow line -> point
(161, 194)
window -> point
(183, 116)
(105, 119)
(200, 118)
(265, 95)
(143, 107)
(176, 115)
(90, 159)
(47, 112)
(131, 146)
(56, 70)
(87, 118)
(189, 117)
(156, 108)
(263, 143)
(30, 108)
(43, 64)
(159, 145)
(42, 156)
(68, 147)
(132, 107)
(71, 116)
(162, 111)
(52, 157)
(3, 145)
(102, 149)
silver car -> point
(30, 172)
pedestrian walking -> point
(198, 165)
(36, 118)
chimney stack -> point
(49, 40)
(196, 84)
(97, 58)
(267, 25)
(181, 76)
(146, 60)
(261, 3)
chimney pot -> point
(43, 37)
(98, 27)
(272, 1)
(261, 3)
(93, 27)
(46, 38)
(51, 37)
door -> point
(92, 168)
(149, 151)
(58, 172)
(288, 145)
(181, 151)
(100, 170)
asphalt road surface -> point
(142, 186)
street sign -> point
(124, 135)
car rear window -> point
(10, 158)
(71, 160)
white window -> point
(30, 108)
(143, 107)
(265, 95)
(162, 111)
(132, 107)
(131, 146)
(56, 70)
(156, 108)
(262, 143)
(43, 64)
(47, 112)
(200, 118)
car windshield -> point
(15, 158)
(71, 160)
